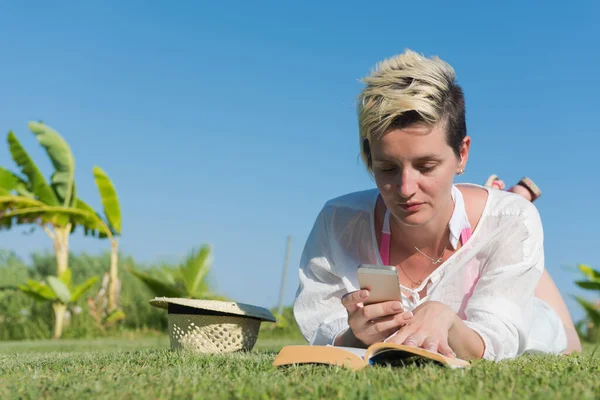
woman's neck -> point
(431, 237)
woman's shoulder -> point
(344, 225)
(350, 213)
(484, 203)
(476, 199)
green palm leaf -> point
(37, 182)
(592, 312)
(9, 204)
(195, 269)
(109, 198)
(588, 285)
(168, 274)
(12, 201)
(81, 205)
(114, 317)
(59, 288)
(590, 272)
(63, 178)
(79, 290)
(157, 287)
(12, 182)
(32, 293)
(26, 210)
(37, 290)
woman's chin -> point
(414, 219)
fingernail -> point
(363, 294)
(407, 315)
(453, 354)
(432, 348)
(410, 343)
(397, 306)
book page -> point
(395, 354)
(355, 350)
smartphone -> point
(381, 281)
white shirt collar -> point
(459, 220)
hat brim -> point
(215, 306)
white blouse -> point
(489, 282)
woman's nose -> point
(408, 184)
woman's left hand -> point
(428, 328)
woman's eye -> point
(426, 168)
(387, 169)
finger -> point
(430, 344)
(416, 339)
(383, 325)
(367, 331)
(352, 301)
(378, 310)
(381, 336)
(445, 349)
(403, 333)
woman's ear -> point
(464, 153)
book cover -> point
(396, 355)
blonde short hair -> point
(406, 89)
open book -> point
(356, 358)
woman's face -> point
(414, 168)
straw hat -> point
(210, 326)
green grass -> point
(146, 369)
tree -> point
(112, 214)
(29, 199)
(186, 280)
(60, 194)
(58, 290)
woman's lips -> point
(410, 207)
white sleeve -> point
(318, 308)
(500, 308)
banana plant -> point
(186, 280)
(592, 310)
(98, 307)
(27, 198)
(58, 290)
(60, 193)
(112, 216)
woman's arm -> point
(499, 313)
(466, 343)
(501, 307)
(317, 306)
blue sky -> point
(232, 123)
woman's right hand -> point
(371, 323)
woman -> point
(470, 259)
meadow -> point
(144, 367)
